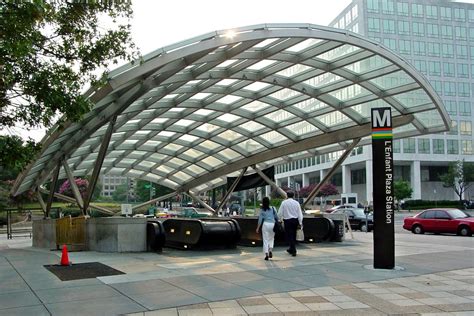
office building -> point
(437, 38)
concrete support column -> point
(415, 179)
(268, 190)
(305, 180)
(346, 179)
(369, 187)
(289, 181)
(322, 174)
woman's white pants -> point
(268, 236)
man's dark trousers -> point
(290, 233)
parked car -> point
(340, 207)
(440, 220)
(192, 212)
(356, 218)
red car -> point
(440, 221)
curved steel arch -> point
(164, 104)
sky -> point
(161, 23)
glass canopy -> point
(190, 114)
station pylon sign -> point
(384, 204)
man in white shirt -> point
(292, 215)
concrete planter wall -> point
(44, 233)
(116, 234)
(104, 234)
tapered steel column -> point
(53, 188)
(75, 189)
(98, 162)
(230, 190)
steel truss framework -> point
(190, 114)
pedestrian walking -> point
(292, 215)
(266, 221)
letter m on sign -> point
(381, 117)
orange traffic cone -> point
(65, 257)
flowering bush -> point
(82, 185)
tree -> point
(50, 51)
(459, 177)
(120, 193)
(306, 190)
(82, 185)
(14, 155)
(402, 190)
(143, 190)
(327, 189)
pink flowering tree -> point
(82, 185)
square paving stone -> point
(18, 299)
(37, 310)
(103, 306)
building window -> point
(374, 25)
(418, 29)
(431, 11)
(355, 12)
(420, 65)
(389, 26)
(447, 31)
(463, 70)
(434, 68)
(438, 146)
(358, 176)
(433, 49)
(459, 14)
(419, 48)
(448, 69)
(453, 129)
(404, 46)
(449, 88)
(471, 33)
(396, 146)
(451, 107)
(461, 33)
(438, 86)
(402, 8)
(388, 7)
(471, 15)
(355, 28)
(403, 28)
(465, 128)
(445, 13)
(348, 17)
(336, 179)
(417, 10)
(463, 89)
(390, 43)
(464, 108)
(452, 146)
(423, 146)
(432, 30)
(409, 146)
(461, 51)
(448, 50)
(466, 147)
(373, 6)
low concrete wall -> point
(104, 234)
(116, 234)
(44, 233)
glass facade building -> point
(437, 38)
